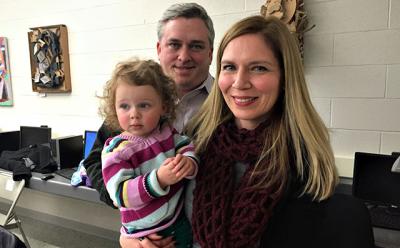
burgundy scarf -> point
(226, 213)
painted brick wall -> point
(352, 62)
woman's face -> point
(249, 79)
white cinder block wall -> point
(352, 60)
(352, 64)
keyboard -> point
(385, 217)
(66, 172)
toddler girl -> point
(144, 167)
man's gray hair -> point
(186, 10)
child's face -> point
(138, 108)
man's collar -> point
(208, 83)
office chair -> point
(10, 190)
(339, 222)
(10, 240)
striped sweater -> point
(129, 166)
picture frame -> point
(6, 97)
(49, 58)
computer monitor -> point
(90, 137)
(373, 180)
(9, 141)
(34, 135)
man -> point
(184, 47)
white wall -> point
(352, 60)
(101, 32)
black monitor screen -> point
(90, 137)
(9, 141)
(373, 180)
(34, 135)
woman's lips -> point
(244, 101)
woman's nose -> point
(242, 80)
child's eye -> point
(124, 106)
(144, 105)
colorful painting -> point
(5, 77)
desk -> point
(386, 238)
(383, 237)
(59, 203)
(62, 186)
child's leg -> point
(181, 230)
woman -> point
(264, 151)
(258, 136)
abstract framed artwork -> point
(49, 57)
(6, 98)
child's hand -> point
(175, 169)
(184, 166)
(152, 240)
(164, 174)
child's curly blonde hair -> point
(138, 72)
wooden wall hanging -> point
(49, 57)
(292, 13)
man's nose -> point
(184, 54)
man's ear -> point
(158, 49)
(210, 55)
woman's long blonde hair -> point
(296, 137)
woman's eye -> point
(228, 67)
(260, 68)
